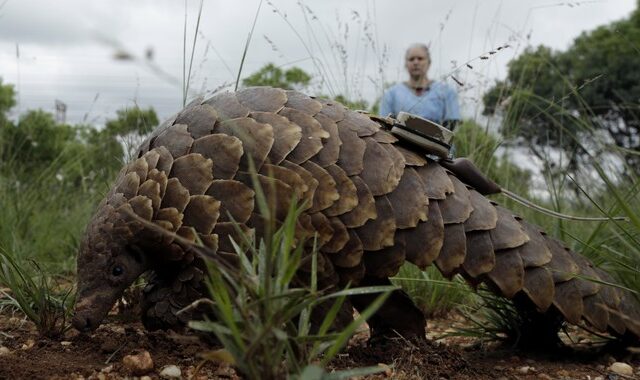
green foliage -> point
(7, 98)
(272, 75)
(36, 294)
(263, 307)
(558, 98)
(132, 120)
(430, 291)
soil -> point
(100, 355)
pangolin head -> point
(109, 261)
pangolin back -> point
(372, 202)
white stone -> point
(4, 350)
(171, 372)
(524, 370)
(621, 369)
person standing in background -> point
(433, 100)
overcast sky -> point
(67, 49)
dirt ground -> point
(100, 356)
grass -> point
(267, 314)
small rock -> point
(65, 343)
(621, 368)
(145, 378)
(170, 372)
(28, 344)
(544, 376)
(138, 364)
(598, 378)
(107, 369)
(524, 370)
(102, 376)
(4, 351)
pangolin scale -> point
(373, 202)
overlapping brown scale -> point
(152, 158)
(385, 262)
(364, 210)
(378, 233)
(351, 254)
(128, 185)
(194, 171)
(210, 242)
(199, 120)
(257, 139)
(142, 206)
(224, 151)
(508, 233)
(630, 313)
(483, 217)
(480, 257)
(569, 301)
(334, 110)
(170, 215)
(359, 123)
(165, 159)
(176, 139)
(424, 245)
(384, 137)
(176, 195)
(151, 189)
(326, 193)
(562, 266)
(456, 208)
(534, 253)
(277, 193)
(409, 200)
(508, 272)
(453, 251)
(589, 283)
(312, 135)
(265, 99)
(339, 238)
(322, 226)
(227, 106)
(202, 213)
(411, 158)
(436, 180)
(140, 167)
(398, 160)
(331, 149)
(187, 233)
(595, 311)
(302, 102)
(308, 179)
(539, 287)
(236, 199)
(348, 196)
(286, 135)
(160, 178)
(227, 231)
(351, 157)
(379, 172)
(286, 175)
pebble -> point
(525, 370)
(145, 378)
(28, 344)
(4, 350)
(107, 369)
(138, 364)
(621, 368)
(170, 372)
(65, 343)
(544, 376)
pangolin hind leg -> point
(398, 314)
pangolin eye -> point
(117, 270)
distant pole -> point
(61, 112)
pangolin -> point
(373, 202)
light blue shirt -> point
(438, 103)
